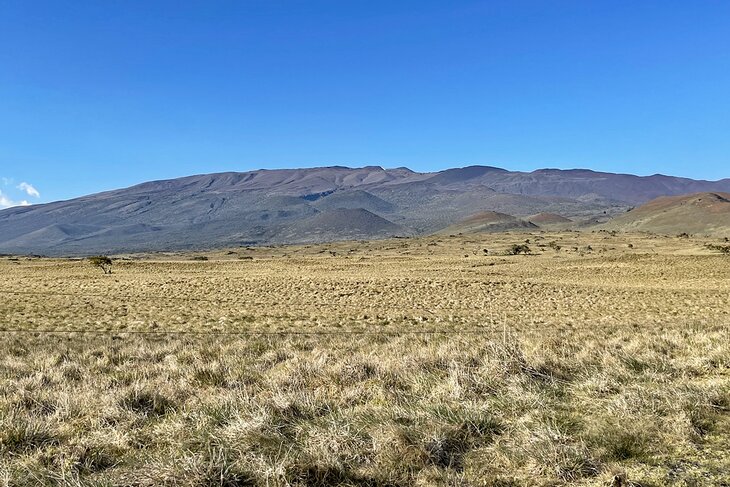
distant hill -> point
(698, 213)
(548, 219)
(268, 206)
(353, 199)
(488, 221)
(347, 224)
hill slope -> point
(488, 221)
(699, 213)
(346, 223)
(545, 218)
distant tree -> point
(103, 262)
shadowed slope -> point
(345, 222)
(488, 221)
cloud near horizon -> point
(6, 202)
(29, 189)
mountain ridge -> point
(262, 206)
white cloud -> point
(6, 202)
(29, 189)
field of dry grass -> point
(433, 361)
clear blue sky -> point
(103, 94)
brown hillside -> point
(698, 213)
(488, 221)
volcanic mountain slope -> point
(266, 206)
(353, 199)
(488, 221)
(346, 223)
(545, 218)
(699, 213)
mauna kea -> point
(334, 203)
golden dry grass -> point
(597, 354)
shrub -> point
(723, 249)
(103, 262)
(516, 249)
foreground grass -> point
(572, 408)
(596, 355)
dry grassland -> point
(401, 362)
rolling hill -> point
(698, 213)
(346, 223)
(545, 218)
(488, 221)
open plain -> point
(592, 359)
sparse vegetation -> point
(516, 249)
(554, 245)
(102, 262)
(723, 249)
(545, 388)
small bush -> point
(102, 262)
(517, 249)
(723, 249)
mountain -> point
(698, 213)
(488, 221)
(277, 206)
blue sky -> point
(99, 95)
